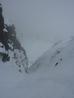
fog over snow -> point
(46, 30)
(40, 21)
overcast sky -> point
(41, 19)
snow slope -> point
(51, 76)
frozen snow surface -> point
(50, 76)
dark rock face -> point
(10, 42)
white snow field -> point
(51, 76)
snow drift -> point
(52, 75)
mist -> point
(45, 21)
